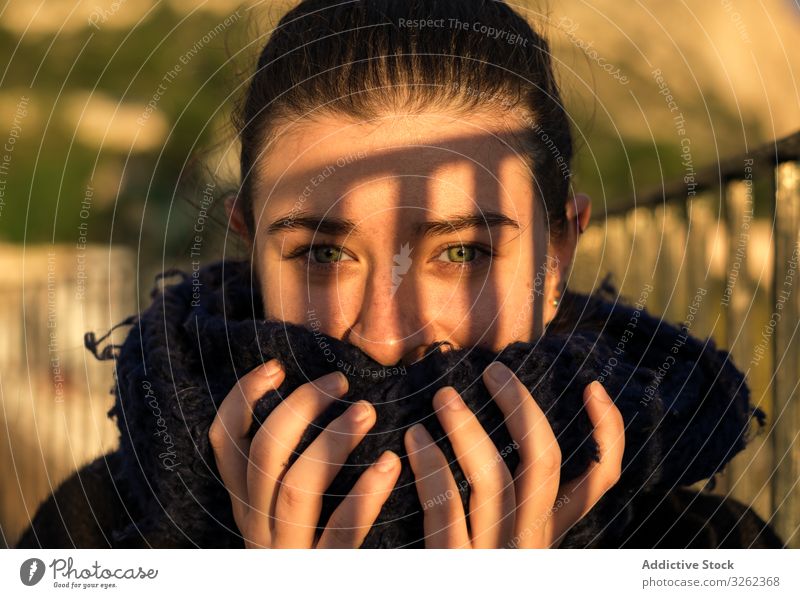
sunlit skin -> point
(391, 235)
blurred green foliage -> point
(140, 194)
(144, 197)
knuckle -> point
(291, 496)
(550, 459)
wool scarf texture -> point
(685, 405)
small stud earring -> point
(557, 299)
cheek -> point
(495, 316)
(290, 296)
(491, 311)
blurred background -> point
(115, 122)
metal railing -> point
(731, 234)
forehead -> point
(426, 161)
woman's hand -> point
(276, 506)
(530, 510)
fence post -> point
(786, 418)
(643, 257)
(670, 225)
(747, 475)
(617, 249)
(701, 231)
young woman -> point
(406, 203)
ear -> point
(236, 217)
(579, 211)
(561, 254)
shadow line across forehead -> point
(484, 152)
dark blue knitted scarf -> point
(685, 406)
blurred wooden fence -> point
(54, 395)
(718, 251)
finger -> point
(581, 494)
(228, 432)
(491, 502)
(537, 476)
(350, 523)
(276, 440)
(443, 514)
(299, 501)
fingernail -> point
(386, 462)
(333, 383)
(498, 372)
(452, 400)
(360, 411)
(598, 392)
(272, 367)
(419, 434)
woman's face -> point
(398, 233)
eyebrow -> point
(344, 226)
(313, 222)
(485, 219)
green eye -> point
(460, 253)
(327, 254)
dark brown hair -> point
(364, 58)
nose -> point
(391, 326)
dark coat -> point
(686, 410)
